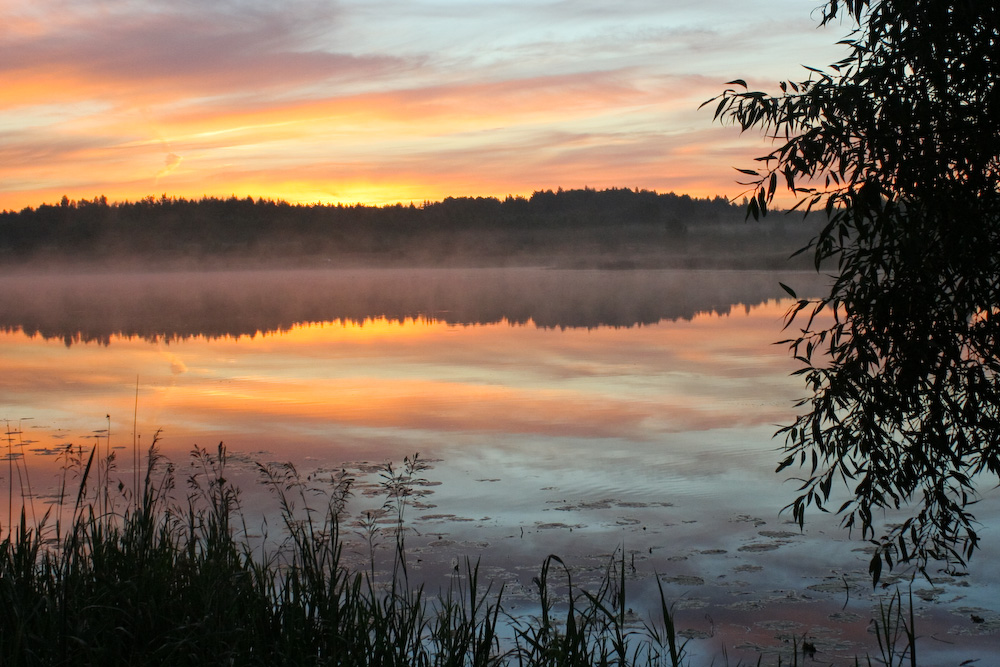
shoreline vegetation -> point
(614, 228)
(123, 573)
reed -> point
(895, 632)
(114, 577)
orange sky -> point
(379, 101)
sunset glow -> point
(419, 376)
(382, 102)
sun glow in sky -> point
(381, 101)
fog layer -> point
(85, 307)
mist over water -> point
(96, 306)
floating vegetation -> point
(748, 568)
(759, 546)
(746, 518)
(778, 534)
(684, 580)
(184, 582)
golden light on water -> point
(418, 375)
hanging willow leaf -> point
(896, 144)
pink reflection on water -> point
(417, 375)
(570, 441)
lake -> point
(577, 412)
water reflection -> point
(382, 383)
(85, 307)
(557, 423)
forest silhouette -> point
(614, 228)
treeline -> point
(571, 221)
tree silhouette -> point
(171, 227)
(898, 143)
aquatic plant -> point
(120, 579)
(112, 577)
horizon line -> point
(164, 197)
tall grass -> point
(118, 574)
(111, 577)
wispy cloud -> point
(123, 97)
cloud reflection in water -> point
(590, 409)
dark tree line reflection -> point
(95, 307)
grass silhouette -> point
(119, 578)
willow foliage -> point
(898, 144)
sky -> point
(384, 101)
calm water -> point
(567, 412)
